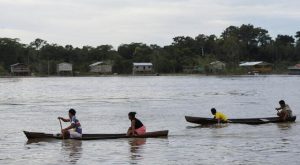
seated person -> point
(137, 127)
(74, 130)
(219, 116)
(285, 111)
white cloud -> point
(96, 22)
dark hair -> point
(213, 110)
(282, 102)
(132, 114)
(72, 111)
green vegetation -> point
(236, 44)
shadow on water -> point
(72, 150)
(136, 148)
(36, 141)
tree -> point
(38, 43)
(11, 51)
(284, 48)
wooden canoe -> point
(203, 121)
(40, 135)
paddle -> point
(63, 136)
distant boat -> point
(202, 120)
(41, 135)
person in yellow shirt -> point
(219, 116)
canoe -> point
(41, 135)
(202, 120)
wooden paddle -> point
(63, 136)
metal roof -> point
(254, 63)
(64, 63)
(96, 63)
(296, 67)
(142, 64)
(216, 62)
(16, 64)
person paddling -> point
(285, 112)
(219, 116)
(74, 130)
(137, 127)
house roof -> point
(96, 63)
(16, 64)
(64, 63)
(142, 64)
(216, 62)
(254, 63)
(296, 67)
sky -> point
(115, 22)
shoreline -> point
(154, 75)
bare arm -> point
(70, 127)
(63, 119)
(133, 127)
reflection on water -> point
(221, 125)
(284, 126)
(136, 148)
(72, 150)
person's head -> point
(281, 103)
(131, 115)
(213, 111)
(72, 112)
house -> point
(257, 67)
(20, 69)
(217, 66)
(294, 70)
(101, 67)
(64, 68)
(142, 68)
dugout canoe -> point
(264, 120)
(41, 135)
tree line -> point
(235, 44)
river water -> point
(161, 102)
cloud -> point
(96, 22)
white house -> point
(142, 68)
(64, 68)
(257, 67)
(294, 70)
(217, 66)
(101, 67)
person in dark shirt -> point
(137, 127)
(284, 111)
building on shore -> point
(257, 67)
(64, 69)
(20, 69)
(217, 67)
(142, 68)
(101, 67)
(294, 70)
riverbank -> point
(169, 75)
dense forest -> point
(236, 44)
